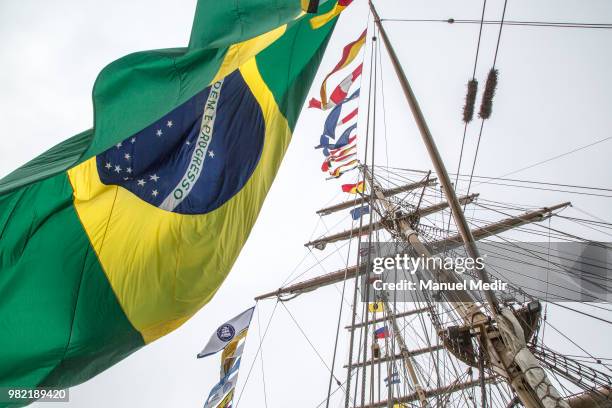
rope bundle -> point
(486, 106)
(470, 101)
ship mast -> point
(499, 353)
(468, 332)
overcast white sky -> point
(554, 94)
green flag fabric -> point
(120, 234)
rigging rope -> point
(309, 342)
(263, 373)
(355, 291)
(246, 381)
(555, 157)
(370, 174)
(502, 178)
(475, 86)
(483, 118)
(552, 24)
(329, 390)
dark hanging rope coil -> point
(486, 106)
(470, 101)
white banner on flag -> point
(227, 332)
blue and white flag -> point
(342, 141)
(223, 387)
(331, 123)
(227, 332)
(392, 379)
(359, 212)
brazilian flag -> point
(118, 235)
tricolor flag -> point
(354, 188)
(381, 333)
(340, 92)
(349, 53)
(358, 212)
(117, 236)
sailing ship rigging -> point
(119, 235)
(450, 348)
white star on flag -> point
(169, 124)
(127, 156)
(118, 168)
(211, 154)
(129, 169)
(159, 132)
(141, 182)
(154, 177)
(154, 193)
(108, 165)
(119, 145)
